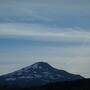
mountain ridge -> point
(39, 73)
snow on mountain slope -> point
(38, 74)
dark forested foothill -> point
(67, 85)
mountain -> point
(37, 74)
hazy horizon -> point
(53, 31)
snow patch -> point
(26, 77)
(35, 66)
(10, 79)
(37, 76)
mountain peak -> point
(40, 65)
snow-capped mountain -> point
(37, 74)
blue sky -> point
(54, 31)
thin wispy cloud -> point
(60, 13)
(37, 31)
